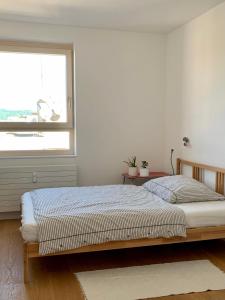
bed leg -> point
(25, 264)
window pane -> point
(33, 87)
(23, 141)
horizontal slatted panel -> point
(18, 175)
(10, 206)
(15, 181)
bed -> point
(204, 221)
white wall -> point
(120, 85)
(195, 89)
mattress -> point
(203, 214)
(198, 214)
(29, 225)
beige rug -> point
(151, 281)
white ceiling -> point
(131, 15)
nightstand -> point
(135, 179)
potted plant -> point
(132, 166)
(144, 170)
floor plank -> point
(53, 277)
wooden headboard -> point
(198, 173)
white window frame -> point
(44, 48)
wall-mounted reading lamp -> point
(186, 141)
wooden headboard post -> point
(178, 172)
(198, 172)
(220, 182)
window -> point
(36, 99)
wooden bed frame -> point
(194, 234)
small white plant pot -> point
(132, 171)
(144, 172)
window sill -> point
(39, 156)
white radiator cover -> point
(15, 181)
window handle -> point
(69, 99)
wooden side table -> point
(151, 175)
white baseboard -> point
(10, 215)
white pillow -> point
(181, 189)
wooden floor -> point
(53, 279)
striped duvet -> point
(73, 217)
